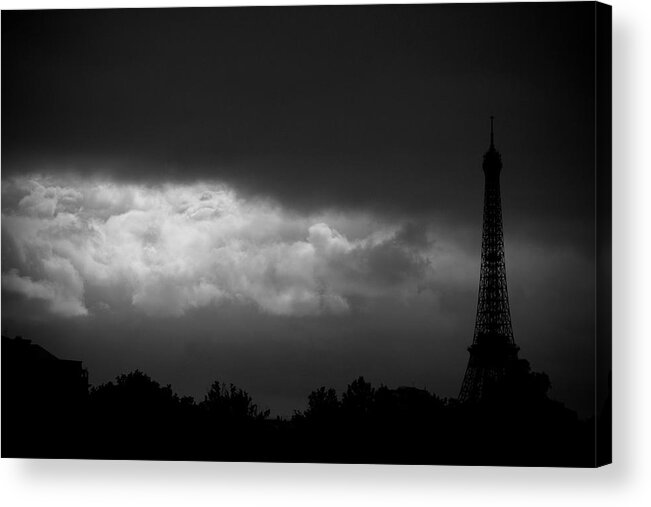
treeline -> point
(134, 417)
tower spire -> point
(492, 138)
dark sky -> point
(347, 142)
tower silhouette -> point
(493, 347)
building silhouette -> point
(35, 373)
(43, 399)
(493, 348)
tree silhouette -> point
(231, 403)
(322, 404)
(358, 399)
(135, 417)
(137, 394)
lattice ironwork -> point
(493, 347)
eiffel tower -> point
(493, 348)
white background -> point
(626, 482)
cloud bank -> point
(84, 246)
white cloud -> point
(62, 298)
(171, 248)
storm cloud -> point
(95, 246)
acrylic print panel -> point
(373, 234)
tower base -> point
(487, 366)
